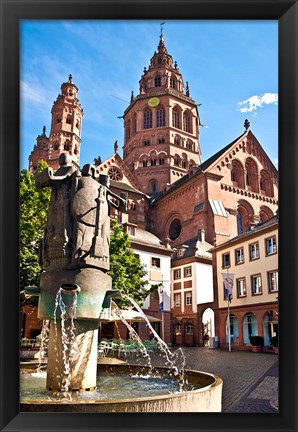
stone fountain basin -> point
(207, 398)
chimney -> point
(202, 234)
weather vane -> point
(161, 24)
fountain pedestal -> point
(72, 365)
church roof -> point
(125, 187)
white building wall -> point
(156, 275)
(203, 283)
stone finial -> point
(70, 79)
(246, 124)
(116, 146)
(44, 131)
(175, 65)
(161, 29)
(132, 97)
(187, 89)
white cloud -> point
(34, 94)
(256, 102)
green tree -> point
(33, 218)
(128, 274)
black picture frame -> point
(286, 12)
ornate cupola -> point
(161, 140)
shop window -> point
(250, 327)
(189, 329)
(178, 329)
(233, 329)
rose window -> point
(115, 173)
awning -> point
(129, 315)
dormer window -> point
(157, 81)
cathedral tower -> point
(66, 127)
(161, 138)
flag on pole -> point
(228, 280)
(160, 292)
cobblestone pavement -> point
(250, 380)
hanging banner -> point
(228, 280)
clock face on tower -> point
(153, 102)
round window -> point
(115, 173)
(175, 229)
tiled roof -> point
(125, 186)
(198, 169)
(195, 248)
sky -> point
(231, 68)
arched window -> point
(144, 163)
(245, 216)
(134, 123)
(175, 118)
(56, 145)
(237, 174)
(173, 82)
(266, 186)
(147, 119)
(250, 327)
(177, 160)
(161, 161)
(160, 117)
(251, 175)
(157, 81)
(153, 186)
(76, 150)
(66, 146)
(153, 162)
(187, 122)
(68, 119)
(146, 142)
(265, 213)
(190, 145)
(161, 140)
(177, 140)
(233, 329)
(127, 130)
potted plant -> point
(257, 342)
(274, 343)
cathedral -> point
(189, 205)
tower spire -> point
(161, 29)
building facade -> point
(250, 260)
(172, 194)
